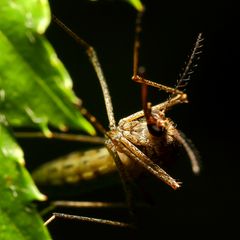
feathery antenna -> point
(191, 64)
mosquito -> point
(138, 142)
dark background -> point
(206, 202)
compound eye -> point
(155, 130)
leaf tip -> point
(137, 4)
(89, 128)
(21, 161)
(46, 130)
(63, 128)
(39, 196)
(42, 197)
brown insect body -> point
(76, 167)
(157, 148)
(89, 164)
(143, 138)
(140, 141)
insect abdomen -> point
(75, 167)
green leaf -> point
(18, 216)
(35, 88)
(136, 4)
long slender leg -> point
(173, 99)
(108, 103)
(181, 82)
(169, 103)
(126, 182)
(184, 77)
(145, 162)
(136, 46)
(137, 78)
(159, 86)
(88, 204)
(87, 219)
(97, 67)
(81, 204)
(91, 118)
(141, 159)
(62, 136)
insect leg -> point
(91, 118)
(62, 136)
(92, 55)
(80, 204)
(159, 86)
(141, 159)
(136, 46)
(184, 77)
(87, 219)
(138, 78)
(126, 182)
(158, 107)
(88, 204)
(135, 154)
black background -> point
(206, 202)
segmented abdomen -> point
(75, 167)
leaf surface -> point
(18, 217)
(35, 88)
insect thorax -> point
(158, 149)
